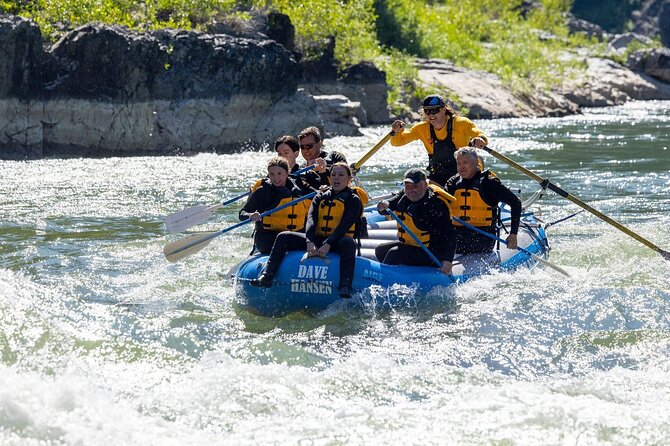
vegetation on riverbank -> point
(524, 46)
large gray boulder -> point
(653, 62)
(102, 62)
(606, 83)
(20, 58)
(653, 20)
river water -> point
(104, 342)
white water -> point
(104, 342)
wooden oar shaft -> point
(578, 202)
(373, 150)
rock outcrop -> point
(104, 91)
(20, 58)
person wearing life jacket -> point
(425, 211)
(331, 226)
(268, 193)
(477, 196)
(311, 147)
(288, 147)
(441, 132)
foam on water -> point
(104, 342)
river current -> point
(103, 342)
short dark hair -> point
(313, 130)
(289, 140)
(278, 161)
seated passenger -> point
(311, 145)
(477, 196)
(288, 147)
(268, 193)
(331, 226)
(425, 211)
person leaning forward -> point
(331, 226)
(441, 132)
(477, 196)
(311, 147)
(425, 210)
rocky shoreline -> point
(106, 91)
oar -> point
(373, 150)
(187, 218)
(523, 250)
(187, 246)
(416, 239)
(545, 182)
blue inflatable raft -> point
(310, 284)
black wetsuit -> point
(430, 214)
(492, 192)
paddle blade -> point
(187, 218)
(187, 246)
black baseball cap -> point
(414, 175)
(432, 100)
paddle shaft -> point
(209, 237)
(523, 250)
(578, 202)
(416, 239)
(373, 150)
(234, 199)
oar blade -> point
(187, 218)
(187, 246)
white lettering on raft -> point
(313, 287)
(312, 272)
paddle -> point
(187, 218)
(416, 239)
(544, 182)
(356, 166)
(187, 246)
(525, 251)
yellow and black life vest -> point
(406, 217)
(471, 208)
(291, 218)
(407, 239)
(331, 211)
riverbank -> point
(106, 91)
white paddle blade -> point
(187, 246)
(187, 218)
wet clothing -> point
(330, 159)
(338, 239)
(441, 144)
(477, 204)
(431, 218)
(266, 196)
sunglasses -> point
(308, 146)
(432, 111)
